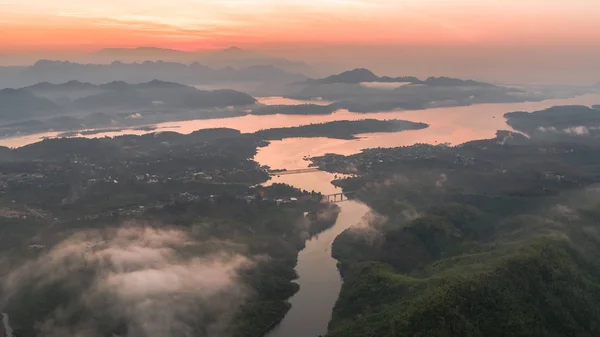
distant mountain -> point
(71, 85)
(361, 75)
(233, 57)
(240, 58)
(360, 90)
(142, 54)
(192, 74)
(352, 76)
(158, 94)
(45, 100)
(19, 104)
(450, 82)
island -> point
(107, 130)
(340, 129)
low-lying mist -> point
(137, 280)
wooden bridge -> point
(298, 171)
(338, 197)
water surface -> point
(454, 125)
(278, 100)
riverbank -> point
(318, 278)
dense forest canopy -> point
(490, 236)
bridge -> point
(338, 197)
(298, 171)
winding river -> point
(319, 279)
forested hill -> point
(82, 221)
(577, 122)
(340, 129)
(45, 100)
(488, 238)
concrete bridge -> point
(338, 197)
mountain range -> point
(362, 75)
(45, 100)
(192, 74)
(230, 57)
(363, 87)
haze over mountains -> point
(68, 96)
(230, 57)
(362, 75)
(193, 74)
(75, 105)
(530, 64)
(360, 90)
(76, 97)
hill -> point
(558, 122)
(448, 81)
(494, 237)
(77, 105)
(192, 74)
(233, 57)
(165, 95)
(340, 129)
(18, 104)
(360, 90)
(120, 94)
(361, 75)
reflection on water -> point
(320, 281)
(278, 100)
(384, 85)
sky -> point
(76, 25)
(506, 40)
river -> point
(319, 279)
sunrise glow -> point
(198, 24)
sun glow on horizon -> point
(197, 24)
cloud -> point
(152, 280)
(546, 129)
(577, 130)
(440, 182)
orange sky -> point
(82, 25)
